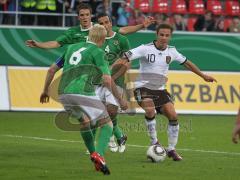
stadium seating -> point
(232, 8)
(160, 6)
(142, 5)
(190, 23)
(227, 23)
(196, 7)
(215, 7)
(179, 7)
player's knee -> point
(150, 112)
(173, 117)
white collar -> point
(111, 36)
(87, 28)
(91, 42)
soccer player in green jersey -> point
(77, 92)
(79, 33)
(115, 45)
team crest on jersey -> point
(115, 42)
(168, 59)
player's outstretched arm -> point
(43, 45)
(44, 97)
(110, 84)
(119, 68)
(192, 67)
(236, 129)
(131, 29)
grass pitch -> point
(32, 147)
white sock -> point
(151, 127)
(172, 136)
(112, 139)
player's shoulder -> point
(73, 29)
(149, 45)
(171, 47)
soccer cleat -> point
(100, 164)
(122, 143)
(113, 146)
(174, 155)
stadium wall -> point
(192, 95)
(23, 70)
(210, 51)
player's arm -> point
(65, 38)
(236, 129)
(110, 84)
(131, 29)
(44, 97)
(192, 67)
(43, 45)
(122, 69)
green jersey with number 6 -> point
(84, 65)
(114, 47)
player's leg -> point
(97, 112)
(173, 130)
(112, 111)
(148, 106)
(112, 107)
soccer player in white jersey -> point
(150, 90)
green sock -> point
(88, 139)
(116, 129)
(94, 131)
(103, 139)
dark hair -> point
(84, 6)
(164, 26)
(103, 15)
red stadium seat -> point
(215, 7)
(232, 8)
(160, 6)
(196, 7)
(179, 7)
(190, 23)
(142, 5)
(227, 23)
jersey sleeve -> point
(65, 38)
(60, 61)
(100, 61)
(135, 53)
(125, 45)
(179, 57)
(115, 29)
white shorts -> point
(106, 95)
(89, 105)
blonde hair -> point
(97, 33)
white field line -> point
(129, 145)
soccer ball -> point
(156, 153)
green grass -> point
(23, 157)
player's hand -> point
(208, 78)
(31, 43)
(148, 21)
(44, 98)
(236, 133)
(123, 104)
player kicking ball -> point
(150, 87)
